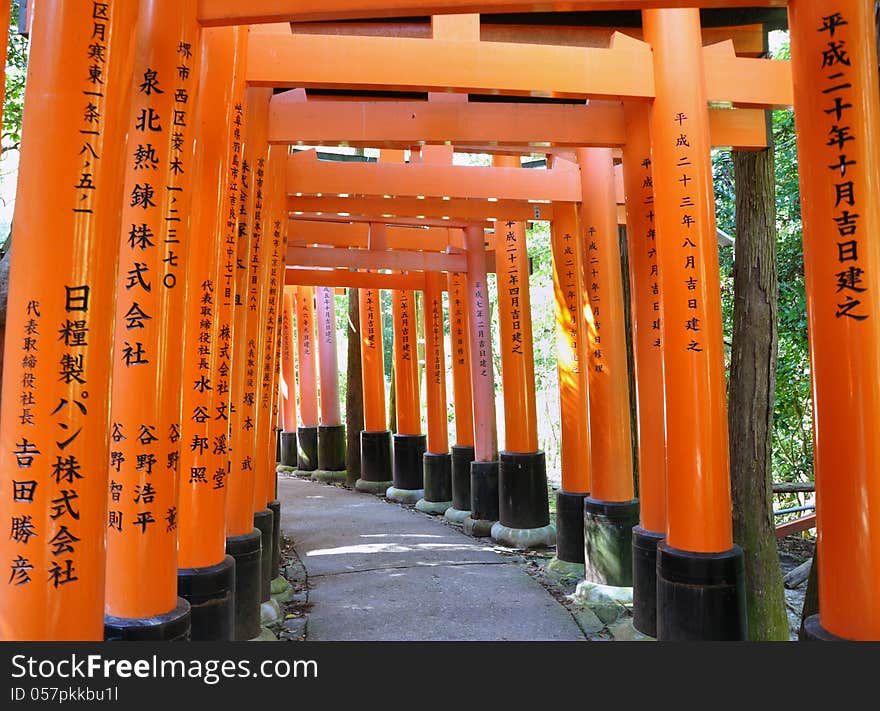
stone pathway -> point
(379, 571)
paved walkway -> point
(379, 571)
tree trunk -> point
(752, 385)
(392, 403)
(354, 392)
(630, 354)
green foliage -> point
(16, 72)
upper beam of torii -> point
(619, 72)
(477, 127)
(235, 12)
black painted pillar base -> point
(278, 432)
(570, 527)
(275, 507)
(815, 632)
(331, 448)
(408, 470)
(700, 596)
(263, 520)
(210, 592)
(173, 626)
(307, 449)
(247, 552)
(644, 556)
(438, 484)
(484, 499)
(462, 456)
(608, 549)
(375, 462)
(288, 450)
(524, 509)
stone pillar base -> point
(173, 626)
(307, 449)
(608, 541)
(700, 596)
(210, 592)
(247, 552)
(264, 521)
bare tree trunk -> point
(392, 403)
(354, 392)
(752, 386)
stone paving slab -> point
(339, 531)
(378, 571)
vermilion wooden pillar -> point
(566, 242)
(331, 431)
(54, 417)
(524, 511)
(609, 511)
(463, 449)
(409, 442)
(269, 286)
(375, 438)
(145, 414)
(484, 468)
(277, 208)
(437, 460)
(645, 306)
(699, 587)
(288, 372)
(307, 433)
(837, 112)
(206, 577)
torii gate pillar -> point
(837, 110)
(700, 592)
(331, 431)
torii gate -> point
(699, 570)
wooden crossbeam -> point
(398, 260)
(336, 234)
(401, 124)
(358, 280)
(405, 64)
(747, 39)
(235, 12)
(460, 208)
(307, 175)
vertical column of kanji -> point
(207, 577)
(142, 599)
(575, 450)
(484, 468)
(699, 571)
(610, 511)
(288, 372)
(437, 460)
(272, 266)
(837, 111)
(307, 433)
(277, 206)
(409, 442)
(645, 304)
(524, 511)
(54, 414)
(375, 438)
(462, 395)
(331, 431)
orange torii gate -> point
(699, 570)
